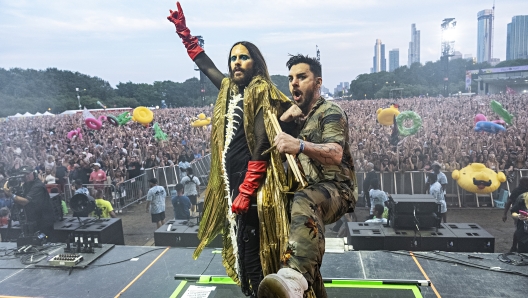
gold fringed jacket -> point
(271, 195)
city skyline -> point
(485, 35)
(413, 53)
(394, 59)
(517, 38)
(121, 41)
(379, 63)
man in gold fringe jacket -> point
(245, 198)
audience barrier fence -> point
(135, 189)
(414, 183)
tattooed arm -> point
(326, 154)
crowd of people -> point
(120, 152)
(446, 137)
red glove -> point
(256, 170)
(190, 42)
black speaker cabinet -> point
(108, 230)
(400, 239)
(472, 238)
(409, 211)
(437, 239)
(423, 240)
(177, 233)
(12, 234)
(365, 236)
(65, 227)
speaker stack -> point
(419, 240)
(179, 233)
(107, 230)
(414, 224)
(471, 237)
(412, 211)
(366, 236)
(10, 234)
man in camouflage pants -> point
(323, 150)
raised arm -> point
(206, 65)
(195, 51)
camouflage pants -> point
(313, 208)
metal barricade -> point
(414, 183)
(132, 190)
(202, 168)
(391, 182)
(167, 176)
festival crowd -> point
(446, 137)
(121, 152)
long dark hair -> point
(259, 64)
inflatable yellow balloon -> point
(142, 115)
(386, 116)
(477, 178)
(201, 121)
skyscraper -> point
(413, 55)
(394, 59)
(517, 38)
(484, 35)
(379, 61)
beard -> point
(244, 79)
(308, 97)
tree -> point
(282, 83)
(415, 80)
(509, 63)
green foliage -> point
(508, 63)
(28, 90)
(282, 83)
(415, 81)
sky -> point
(122, 41)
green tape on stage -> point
(372, 285)
(369, 284)
(223, 280)
(338, 283)
(178, 289)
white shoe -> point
(287, 283)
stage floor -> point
(152, 271)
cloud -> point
(114, 39)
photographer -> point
(36, 202)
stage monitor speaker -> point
(177, 233)
(424, 240)
(471, 238)
(409, 211)
(68, 225)
(10, 234)
(107, 230)
(365, 236)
